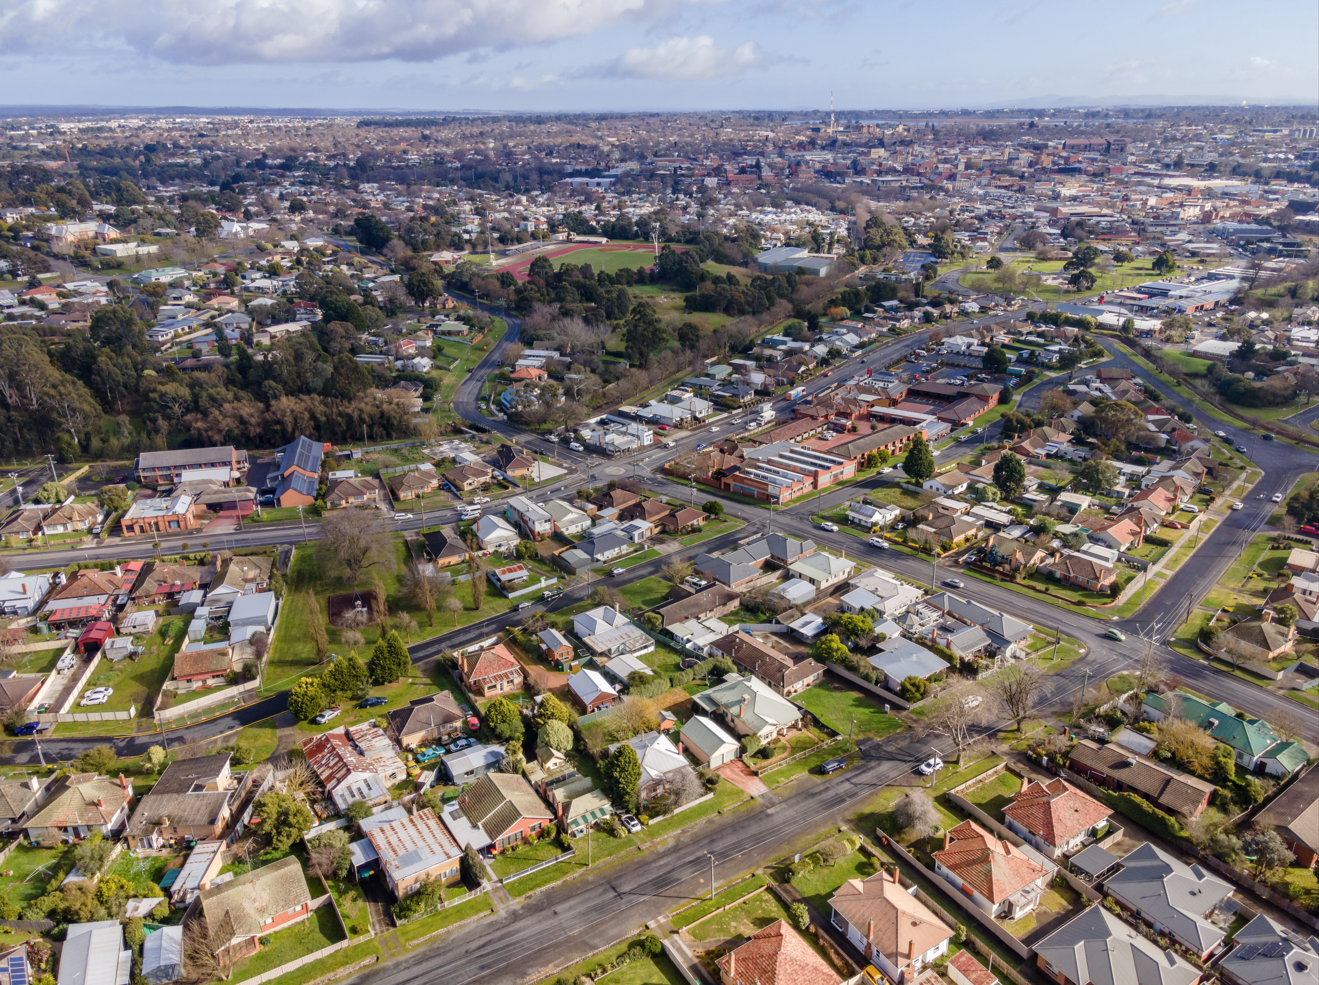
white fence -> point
(216, 697)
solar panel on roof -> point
(1248, 952)
(17, 970)
(1274, 949)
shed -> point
(1093, 862)
(162, 956)
(473, 763)
(253, 610)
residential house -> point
(682, 521)
(92, 954)
(870, 517)
(1266, 953)
(226, 464)
(490, 672)
(1096, 948)
(566, 518)
(160, 583)
(495, 534)
(896, 932)
(1251, 739)
(822, 570)
(297, 472)
(608, 633)
(1054, 817)
(747, 706)
(202, 664)
(19, 800)
(708, 743)
(536, 521)
(366, 490)
(355, 763)
(23, 523)
(413, 484)
(505, 808)
(471, 763)
(510, 461)
(705, 604)
(1294, 815)
(1083, 572)
(413, 850)
(557, 648)
(470, 476)
(1123, 534)
(579, 805)
(78, 805)
(426, 721)
(900, 658)
(616, 499)
(995, 876)
(72, 518)
(776, 955)
(1117, 769)
(445, 546)
(662, 763)
(253, 905)
(253, 612)
(192, 801)
(1008, 634)
(591, 691)
(893, 596)
(1174, 898)
(1257, 640)
(780, 671)
(236, 577)
(1015, 554)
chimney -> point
(897, 880)
(33, 784)
(911, 948)
(870, 930)
(1266, 616)
(947, 839)
(732, 965)
(100, 802)
(124, 784)
(742, 707)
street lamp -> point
(711, 858)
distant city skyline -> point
(620, 55)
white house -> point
(536, 520)
(822, 570)
(951, 483)
(895, 597)
(996, 877)
(567, 518)
(873, 516)
(21, 594)
(495, 533)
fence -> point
(691, 803)
(780, 763)
(874, 689)
(985, 921)
(91, 716)
(538, 866)
(539, 586)
(219, 696)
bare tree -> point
(353, 541)
(916, 813)
(1288, 725)
(477, 569)
(353, 639)
(686, 787)
(958, 717)
(200, 964)
(1151, 668)
(453, 605)
(320, 641)
(260, 643)
(1019, 692)
(300, 781)
(407, 625)
(423, 587)
(379, 601)
(677, 569)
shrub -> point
(1147, 815)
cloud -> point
(225, 32)
(684, 59)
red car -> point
(1175, 524)
(472, 723)
(663, 427)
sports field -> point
(608, 258)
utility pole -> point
(711, 857)
(850, 729)
(1058, 635)
(50, 460)
(303, 521)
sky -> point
(621, 55)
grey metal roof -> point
(1094, 860)
(900, 659)
(1267, 954)
(1099, 949)
(162, 955)
(92, 954)
(303, 453)
(1171, 893)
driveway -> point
(740, 776)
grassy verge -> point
(447, 917)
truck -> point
(796, 393)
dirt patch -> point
(351, 609)
(737, 773)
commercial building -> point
(225, 464)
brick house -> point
(436, 718)
(1083, 572)
(205, 666)
(413, 484)
(362, 491)
(505, 808)
(253, 905)
(994, 876)
(1294, 815)
(777, 955)
(1053, 817)
(778, 670)
(490, 672)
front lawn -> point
(712, 528)
(741, 919)
(993, 795)
(823, 880)
(837, 706)
(524, 856)
(725, 795)
(479, 904)
(319, 930)
(658, 970)
(647, 593)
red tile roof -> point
(1056, 811)
(996, 869)
(971, 969)
(488, 663)
(776, 955)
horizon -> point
(512, 57)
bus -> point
(796, 393)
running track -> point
(519, 269)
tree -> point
(51, 492)
(1285, 615)
(331, 858)
(283, 820)
(316, 635)
(1117, 420)
(353, 541)
(1123, 257)
(643, 334)
(154, 758)
(372, 232)
(503, 719)
(919, 463)
(552, 710)
(1266, 851)
(93, 855)
(622, 774)
(994, 263)
(97, 759)
(358, 810)
(453, 605)
(995, 360)
(957, 718)
(477, 569)
(712, 507)
(829, 649)
(689, 335)
(1189, 746)
(556, 735)
(916, 813)
(1095, 477)
(389, 660)
(423, 286)
(1164, 263)
(913, 688)
(473, 868)
(1010, 475)
(114, 498)
(346, 675)
(306, 699)
(1020, 692)
(202, 947)
(423, 587)
(1082, 280)
(677, 569)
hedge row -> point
(732, 894)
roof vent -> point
(1131, 761)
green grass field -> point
(1118, 277)
(608, 259)
(836, 706)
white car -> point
(1277, 497)
(552, 437)
(714, 430)
(972, 701)
(1220, 434)
(618, 571)
(929, 766)
(575, 446)
(481, 499)
(886, 470)
(97, 696)
(402, 516)
(879, 542)
(831, 527)
(1238, 506)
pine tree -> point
(400, 663)
(919, 463)
(347, 675)
(623, 776)
(380, 666)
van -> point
(1191, 508)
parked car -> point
(473, 723)
(1238, 505)
(631, 823)
(402, 516)
(662, 427)
(27, 728)
(831, 527)
(1241, 448)
(329, 714)
(525, 605)
(575, 446)
(833, 766)
(1116, 634)
(480, 500)
(1277, 497)
(1174, 524)
(618, 571)
(1268, 436)
(886, 470)
(552, 437)
(929, 766)
(462, 744)
(954, 582)
(375, 701)
(879, 542)
(550, 593)
(1220, 434)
